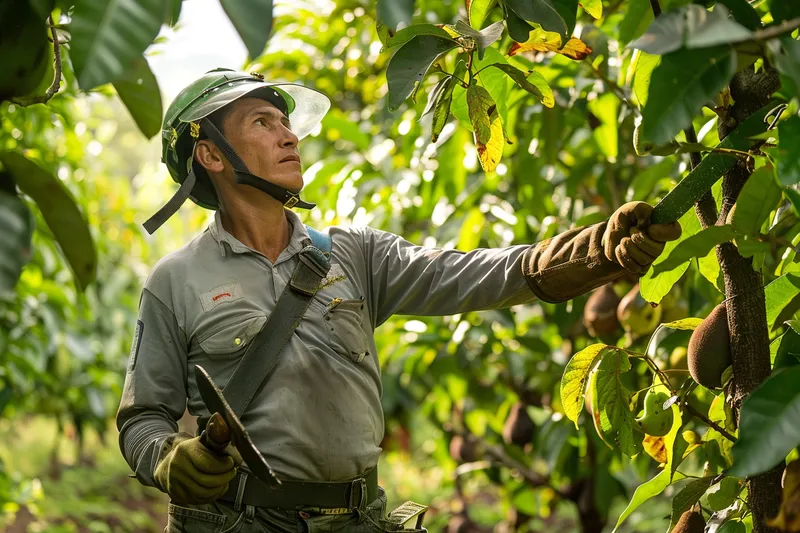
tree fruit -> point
(656, 420)
(23, 39)
(690, 522)
(462, 450)
(518, 428)
(709, 349)
(636, 314)
(600, 312)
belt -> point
(342, 495)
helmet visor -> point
(306, 106)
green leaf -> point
(441, 111)
(786, 154)
(518, 28)
(478, 10)
(758, 198)
(606, 107)
(573, 381)
(654, 286)
(593, 7)
(769, 424)
(533, 82)
(644, 64)
(471, 229)
(680, 86)
(336, 123)
(778, 294)
(697, 245)
(409, 32)
(172, 11)
(253, 22)
(138, 90)
(692, 26)
(724, 494)
(788, 63)
(395, 12)
(108, 34)
(542, 12)
(689, 495)
(408, 65)
(638, 17)
(743, 12)
(61, 213)
(685, 324)
(782, 10)
(788, 353)
(487, 127)
(645, 491)
(733, 526)
(15, 239)
(613, 398)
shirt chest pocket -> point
(344, 323)
(231, 338)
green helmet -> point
(187, 115)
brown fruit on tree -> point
(709, 349)
(462, 450)
(519, 427)
(690, 522)
(600, 312)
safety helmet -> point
(188, 115)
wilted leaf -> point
(543, 41)
(138, 90)
(680, 85)
(441, 107)
(573, 381)
(61, 213)
(533, 82)
(769, 424)
(487, 126)
(107, 36)
(408, 65)
(656, 448)
(698, 245)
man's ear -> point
(207, 154)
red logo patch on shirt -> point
(222, 295)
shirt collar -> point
(297, 240)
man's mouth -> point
(293, 157)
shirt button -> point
(237, 341)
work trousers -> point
(221, 517)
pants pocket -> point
(204, 518)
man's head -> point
(261, 135)
(234, 124)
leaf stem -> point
(656, 7)
(56, 85)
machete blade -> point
(215, 402)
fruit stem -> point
(56, 85)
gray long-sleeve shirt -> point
(319, 417)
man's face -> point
(263, 138)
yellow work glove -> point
(632, 242)
(192, 474)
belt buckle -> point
(406, 513)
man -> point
(231, 140)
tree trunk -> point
(747, 318)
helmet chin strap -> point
(245, 177)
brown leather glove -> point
(190, 473)
(581, 259)
(632, 242)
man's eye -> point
(261, 122)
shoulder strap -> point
(260, 357)
(320, 240)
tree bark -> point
(747, 317)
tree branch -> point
(56, 85)
(716, 427)
(787, 26)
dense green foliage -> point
(477, 124)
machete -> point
(215, 402)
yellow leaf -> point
(593, 7)
(547, 41)
(487, 125)
(656, 447)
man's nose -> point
(289, 138)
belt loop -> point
(358, 494)
(250, 513)
(237, 505)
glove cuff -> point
(570, 264)
(166, 448)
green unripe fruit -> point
(709, 349)
(640, 147)
(636, 315)
(600, 312)
(518, 428)
(690, 522)
(656, 420)
(23, 39)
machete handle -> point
(216, 436)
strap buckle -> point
(358, 494)
(405, 515)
